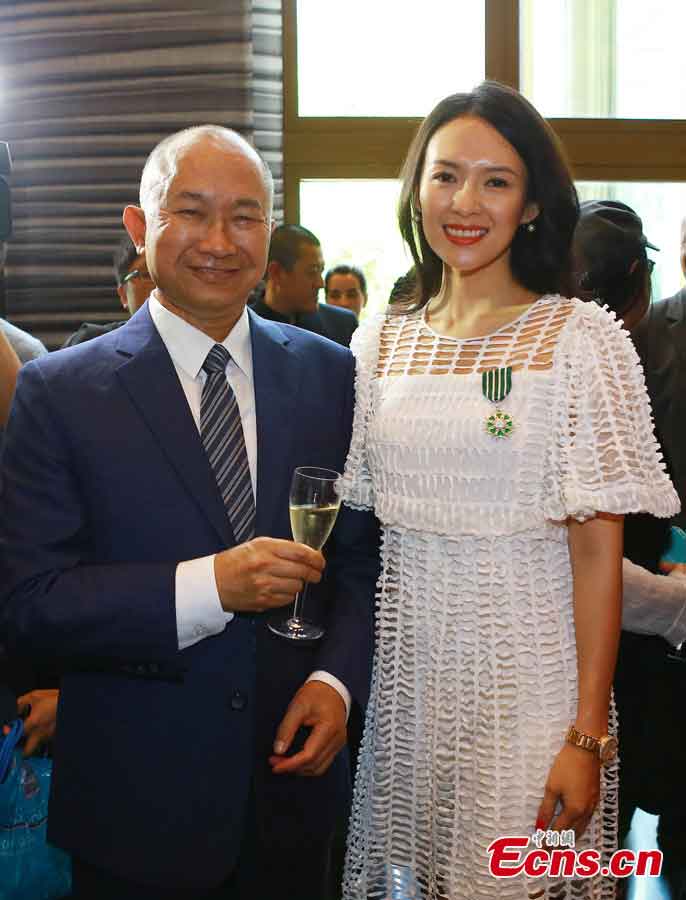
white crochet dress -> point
(475, 679)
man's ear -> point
(134, 222)
(121, 291)
(531, 211)
(274, 270)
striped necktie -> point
(221, 431)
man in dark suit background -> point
(660, 339)
(185, 726)
(294, 279)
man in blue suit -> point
(186, 730)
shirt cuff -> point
(199, 612)
(337, 685)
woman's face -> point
(472, 195)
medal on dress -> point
(496, 384)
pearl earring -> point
(531, 227)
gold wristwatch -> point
(605, 747)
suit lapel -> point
(151, 381)
(277, 376)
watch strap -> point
(585, 741)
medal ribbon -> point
(496, 384)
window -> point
(355, 219)
(608, 73)
(600, 58)
(354, 58)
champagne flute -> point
(313, 504)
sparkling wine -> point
(312, 523)
(313, 504)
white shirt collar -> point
(188, 346)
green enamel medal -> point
(496, 384)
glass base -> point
(297, 629)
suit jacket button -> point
(238, 701)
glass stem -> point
(298, 604)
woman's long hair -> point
(540, 259)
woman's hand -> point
(574, 783)
(39, 725)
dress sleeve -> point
(356, 487)
(605, 455)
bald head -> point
(162, 164)
(204, 224)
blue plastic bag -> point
(30, 867)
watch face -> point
(608, 749)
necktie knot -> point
(217, 359)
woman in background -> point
(500, 433)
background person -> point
(134, 286)
(294, 279)
(24, 344)
(134, 282)
(9, 369)
(346, 287)
(500, 489)
(650, 681)
(660, 339)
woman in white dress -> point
(501, 431)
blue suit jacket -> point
(107, 488)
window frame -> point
(346, 147)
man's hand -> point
(39, 726)
(320, 707)
(264, 573)
(672, 568)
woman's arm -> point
(596, 550)
(9, 366)
(596, 554)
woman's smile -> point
(463, 236)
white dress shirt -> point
(199, 613)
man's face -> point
(206, 238)
(137, 286)
(299, 288)
(345, 291)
